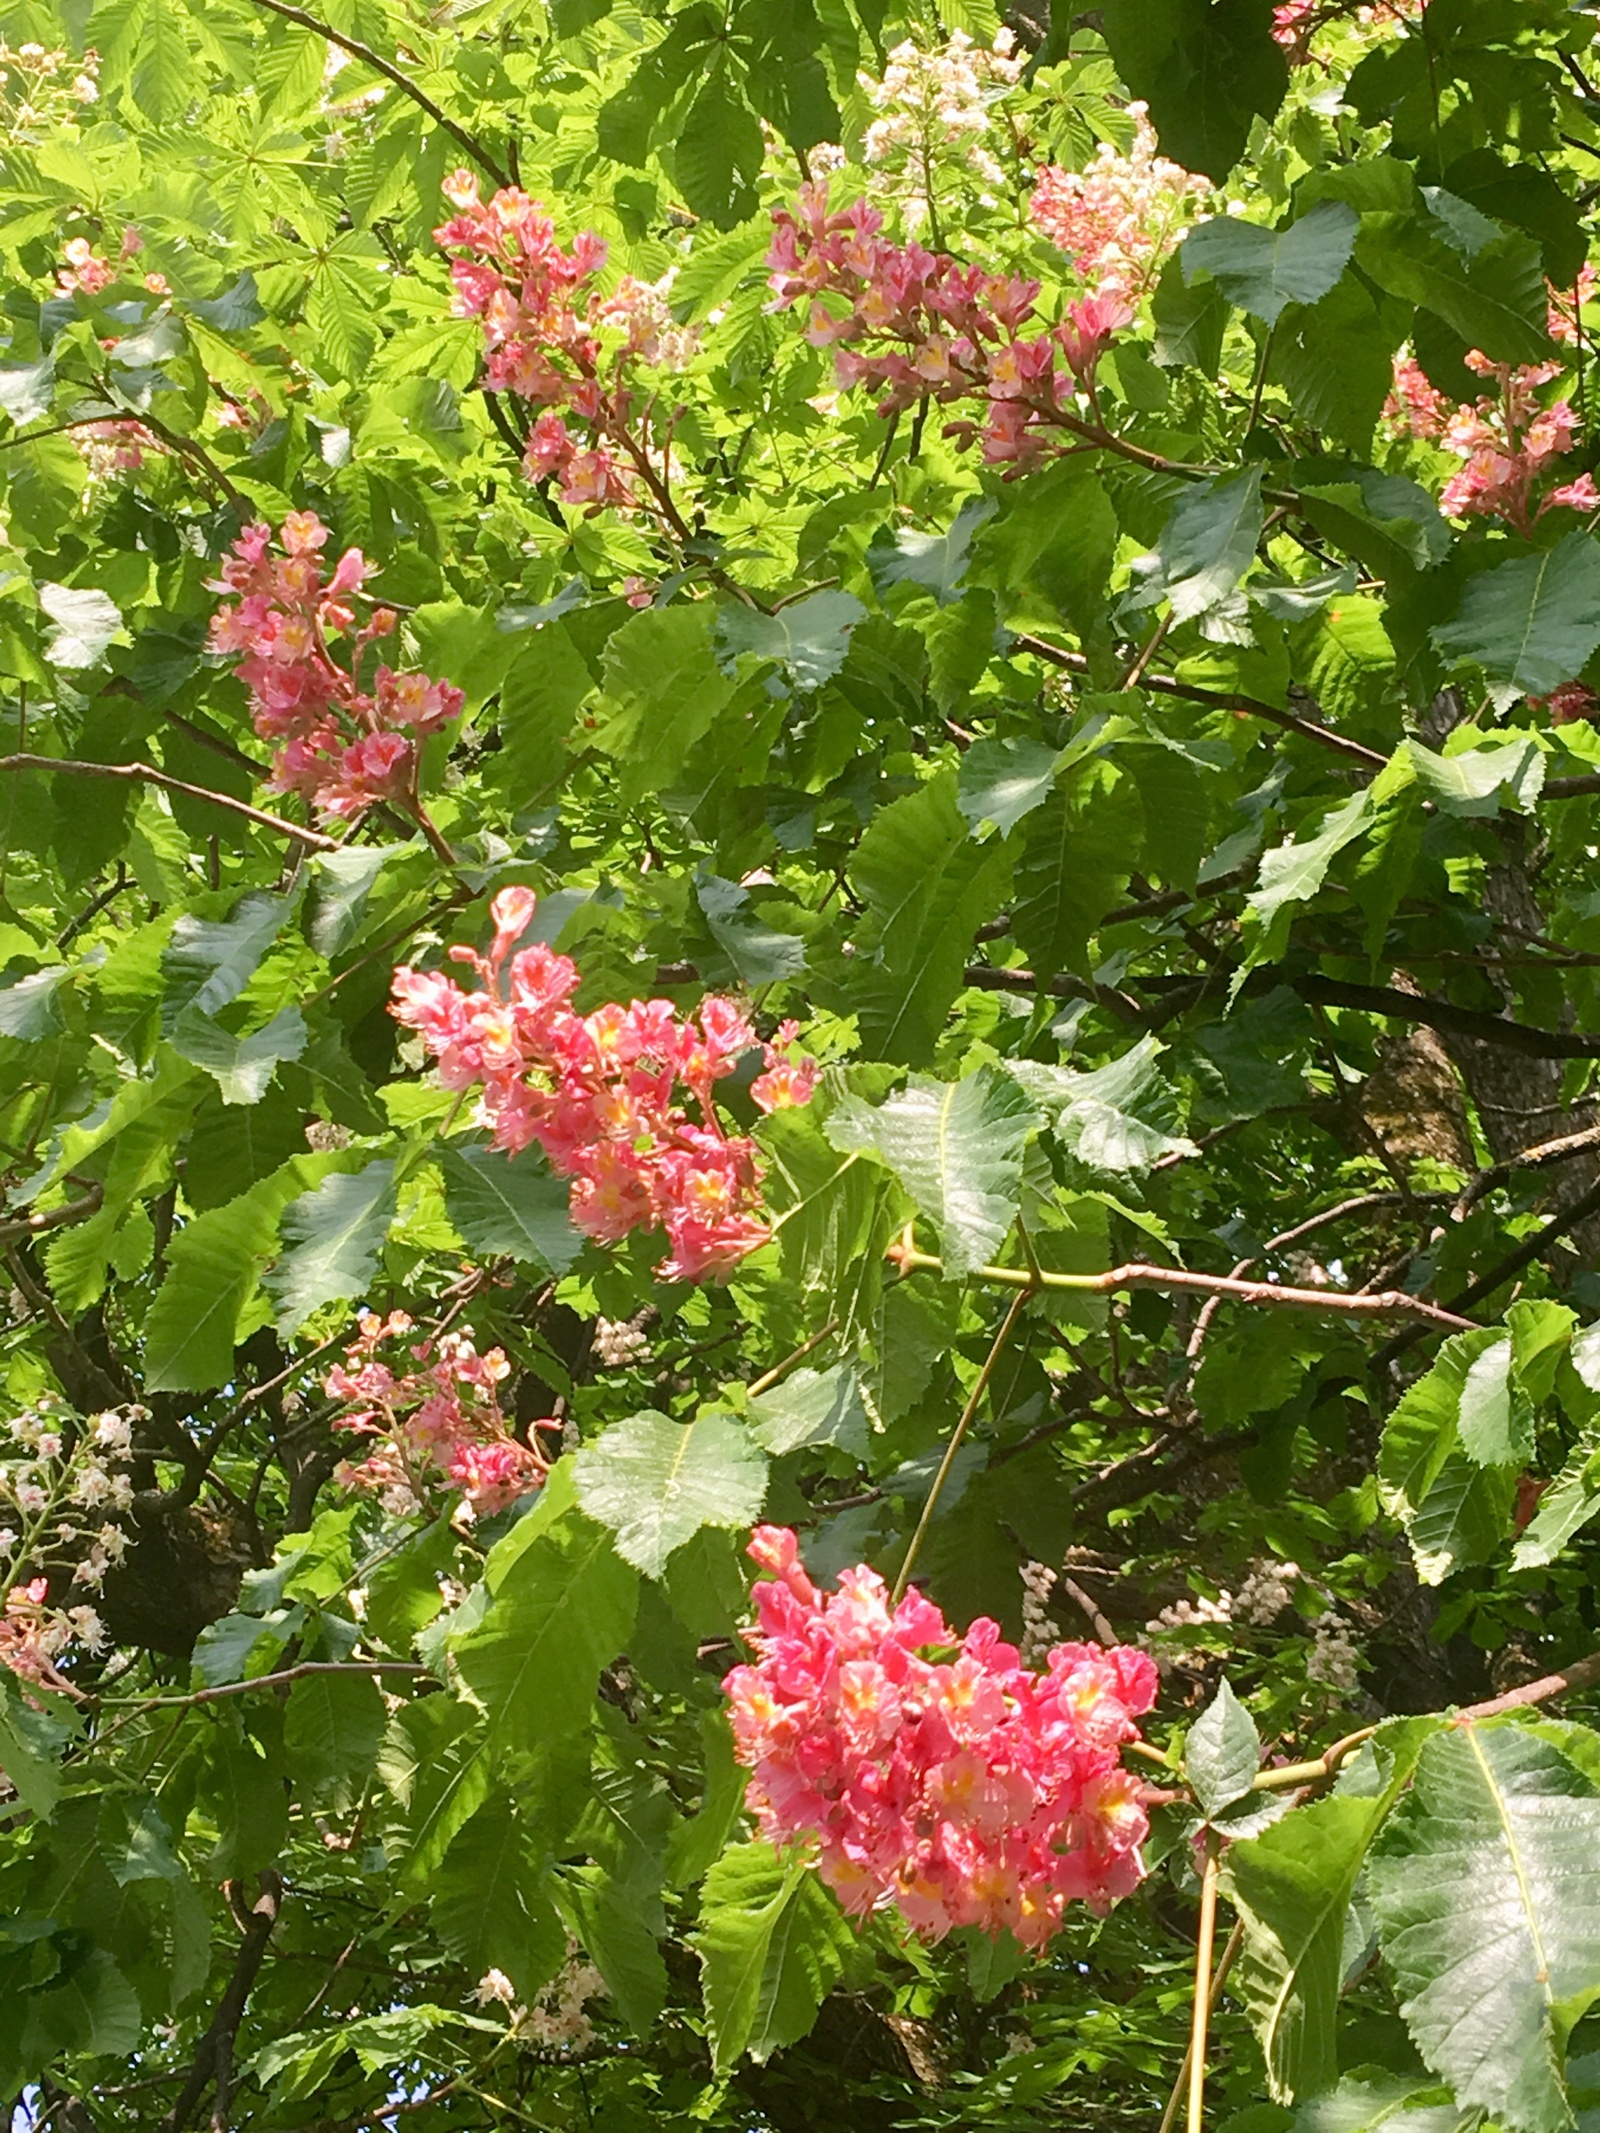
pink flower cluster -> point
(437, 1421)
(915, 324)
(1294, 21)
(962, 1787)
(1118, 220)
(599, 1092)
(88, 271)
(342, 746)
(34, 1636)
(549, 350)
(1507, 441)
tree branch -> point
(390, 72)
(147, 774)
(214, 2057)
(57, 1218)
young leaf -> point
(655, 1482)
(1223, 1752)
(957, 1148)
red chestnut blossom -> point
(85, 269)
(1294, 21)
(437, 1422)
(916, 325)
(966, 1790)
(342, 746)
(1508, 441)
(1118, 220)
(599, 1092)
(564, 349)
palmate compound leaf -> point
(1292, 1887)
(654, 1482)
(771, 1945)
(956, 1146)
(1486, 1888)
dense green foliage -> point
(1178, 853)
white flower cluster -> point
(323, 1137)
(939, 101)
(1334, 1659)
(644, 315)
(621, 1341)
(51, 1484)
(42, 89)
(557, 2021)
(1038, 1631)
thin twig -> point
(769, 1378)
(147, 774)
(272, 1681)
(214, 2057)
(980, 1386)
(1209, 1876)
(1230, 1956)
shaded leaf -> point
(1264, 271)
(332, 1236)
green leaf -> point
(1530, 624)
(1206, 72)
(655, 1482)
(1115, 1119)
(1001, 781)
(926, 888)
(937, 562)
(1292, 1887)
(1566, 1507)
(27, 389)
(1375, 2102)
(771, 1946)
(1264, 271)
(86, 622)
(716, 157)
(1486, 1888)
(242, 1067)
(1494, 300)
(809, 637)
(957, 1148)
(1294, 872)
(759, 953)
(810, 1408)
(663, 691)
(31, 1745)
(345, 881)
(490, 1906)
(331, 1731)
(1206, 546)
(1222, 1753)
(509, 1204)
(332, 1236)
(1454, 1510)
(1495, 1419)
(213, 1264)
(28, 1008)
(1477, 781)
(562, 1605)
(1078, 852)
(207, 962)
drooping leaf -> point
(242, 1067)
(1222, 1753)
(770, 1945)
(654, 1482)
(28, 1006)
(490, 1906)
(957, 1149)
(1206, 72)
(1001, 781)
(937, 562)
(809, 637)
(208, 962)
(1207, 545)
(1117, 1118)
(1454, 1510)
(86, 622)
(812, 1407)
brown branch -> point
(272, 1681)
(390, 72)
(1582, 1674)
(147, 774)
(213, 2060)
(1541, 1157)
(1265, 1294)
(57, 1218)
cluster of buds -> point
(556, 342)
(599, 1092)
(967, 1790)
(115, 447)
(1118, 220)
(915, 325)
(61, 1489)
(433, 1411)
(42, 90)
(342, 746)
(936, 102)
(1508, 442)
